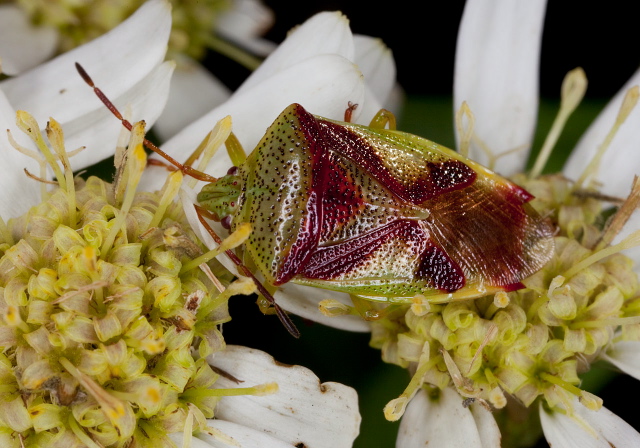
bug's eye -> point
(226, 222)
(233, 171)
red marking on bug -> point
(309, 233)
(440, 271)
(341, 199)
(518, 195)
(514, 287)
(435, 179)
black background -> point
(602, 39)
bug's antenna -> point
(284, 317)
(186, 169)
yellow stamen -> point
(420, 305)
(628, 104)
(29, 126)
(210, 145)
(234, 240)
(169, 192)
(136, 163)
(501, 299)
(573, 89)
(396, 407)
(629, 242)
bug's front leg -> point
(282, 315)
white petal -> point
(429, 422)
(98, 130)
(323, 85)
(56, 89)
(620, 163)
(324, 33)
(303, 301)
(625, 355)
(22, 45)
(245, 436)
(303, 411)
(496, 73)
(376, 63)
(605, 429)
(19, 193)
(487, 426)
(244, 23)
(196, 442)
(194, 91)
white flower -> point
(193, 90)
(496, 75)
(304, 410)
(323, 67)
(55, 86)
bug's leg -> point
(282, 315)
(382, 119)
(186, 169)
(348, 114)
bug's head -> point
(221, 197)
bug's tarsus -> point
(348, 113)
(186, 169)
(383, 118)
(282, 315)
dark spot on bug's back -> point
(300, 445)
(440, 271)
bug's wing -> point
(481, 220)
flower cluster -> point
(107, 319)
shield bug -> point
(377, 213)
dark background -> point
(422, 35)
(602, 39)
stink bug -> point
(377, 213)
